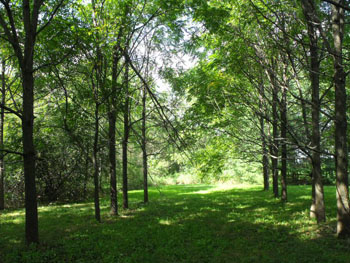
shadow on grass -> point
(181, 224)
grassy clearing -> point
(182, 224)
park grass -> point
(187, 223)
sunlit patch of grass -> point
(14, 214)
(193, 223)
(165, 222)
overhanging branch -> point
(337, 4)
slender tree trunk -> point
(341, 151)
(144, 146)
(2, 118)
(317, 207)
(30, 22)
(284, 145)
(112, 163)
(266, 167)
(95, 164)
(112, 119)
(126, 138)
(275, 144)
(31, 227)
(265, 159)
(100, 174)
(96, 90)
(87, 175)
(316, 137)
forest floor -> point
(181, 224)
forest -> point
(174, 131)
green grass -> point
(182, 224)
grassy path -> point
(183, 224)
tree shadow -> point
(185, 224)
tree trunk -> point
(2, 118)
(95, 164)
(265, 160)
(341, 151)
(112, 163)
(100, 174)
(284, 145)
(31, 227)
(317, 206)
(29, 16)
(87, 175)
(144, 146)
(275, 140)
(126, 138)
(112, 118)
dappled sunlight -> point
(304, 197)
(206, 191)
(18, 221)
(126, 216)
(209, 209)
(242, 206)
(181, 222)
(13, 214)
(14, 217)
(219, 188)
(14, 241)
(201, 192)
(180, 203)
(165, 222)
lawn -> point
(181, 224)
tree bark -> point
(2, 118)
(275, 144)
(112, 164)
(126, 138)
(31, 227)
(95, 164)
(112, 118)
(87, 174)
(26, 63)
(144, 147)
(265, 159)
(341, 151)
(284, 145)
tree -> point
(126, 135)
(32, 25)
(318, 207)
(144, 145)
(2, 119)
(284, 123)
(265, 159)
(341, 150)
(112, 119)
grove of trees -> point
(83, 105)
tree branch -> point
(337, 4)
(54, 12)
(10, 152)
(18, 114)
